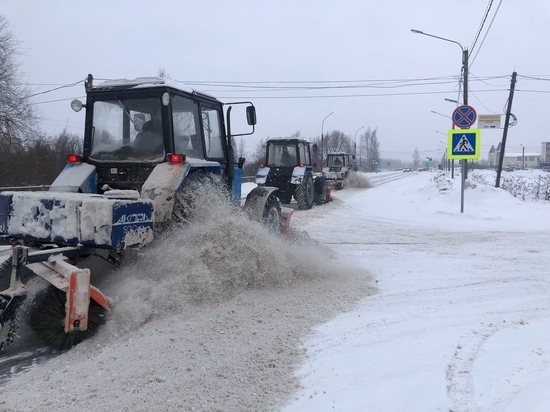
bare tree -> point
(374, 152)
(18, 117)
(416, 158)
(256, 159)
(41, 160)
(369, 150)
(337, 141)
(241, 150)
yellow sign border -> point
(477, 149)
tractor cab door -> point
(304, 154)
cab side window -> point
(304, 153)
(185, 121)
(213, 136)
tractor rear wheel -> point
(321, 189)
(272, 217)
(47, 316)
(305, 192)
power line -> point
(353, 95)
(481, 25)
(485, 36)
(59, 100)
(231, 96)
(56, 88)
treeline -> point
(37, 161)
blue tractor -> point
(148, 143)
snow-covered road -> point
(461, 318)
(414, 306)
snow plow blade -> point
(286, 214)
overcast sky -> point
(308, 43)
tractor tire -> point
(321, 189)
(47, 316)
(272, 217)
(305, 192)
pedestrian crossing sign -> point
(464, 144)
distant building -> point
(545, 152)
(511, 159)
(531, 160)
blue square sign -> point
(464, 144)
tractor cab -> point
(134, 125)
(287, 153)
(337, 161)
(337, 169)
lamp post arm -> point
(437, 37)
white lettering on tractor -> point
(132, 218)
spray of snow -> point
(218, 254)
(356, 180)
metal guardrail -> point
(27, 188)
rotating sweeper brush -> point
(64, 313)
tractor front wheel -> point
(272, 214)
(305, 192)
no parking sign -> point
(464, 116)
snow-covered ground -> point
(386, 299)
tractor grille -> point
(123, 177)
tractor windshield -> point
(128, 130)
(281, 155)
(336, 161)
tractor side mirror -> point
(251, 115)
(240, 164)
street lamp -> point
(465, 99)
(451, 100)
(522, 156)
(322, 126)
(355, 142)
(441, 114)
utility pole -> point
(464, 161)
(466, 69)
(505, 132)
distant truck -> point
(337, 169)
